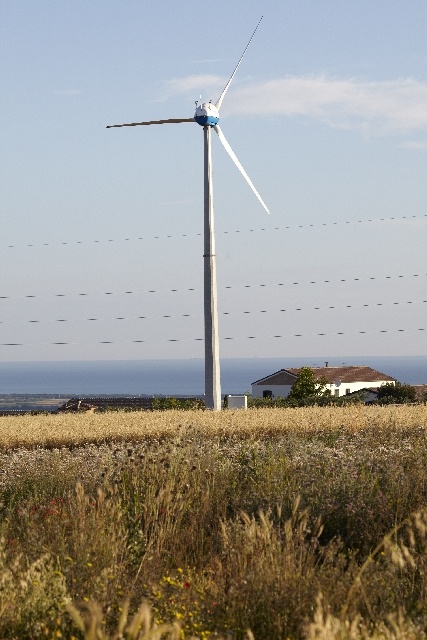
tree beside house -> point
(307, 385)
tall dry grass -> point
(291, 523)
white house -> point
(341, 381)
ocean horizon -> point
(178, 377)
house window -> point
(337, 392)
(347, 392)
(267, 393)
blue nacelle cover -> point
(209, 121)
(206, 115)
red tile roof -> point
(332, 375)
(348, 374)
(282, 377)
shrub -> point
(398, 393)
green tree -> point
(398, 393)
(308, 386)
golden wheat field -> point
(265, 524)
(77, 429)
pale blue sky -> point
(328, 115)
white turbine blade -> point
(137, 124)
(221, 97)
(232, 155)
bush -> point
(188, 404)
(396, 394)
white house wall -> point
(276, 389)
(343, 388)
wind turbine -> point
(207, 116)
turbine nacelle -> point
(207, 115)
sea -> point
(177, 377)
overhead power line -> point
(190, 235)
(223, 313)
(294, 335)
(244, 286)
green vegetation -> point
(165, 403)
(307, 386)
(326, 400)
(307, 523)
(396, 393)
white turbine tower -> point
(207, 116)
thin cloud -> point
(168, 203)
(194, 85)
(413, 144)
(206, 61)
(67, 92)
(380, 107)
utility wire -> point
(224, 313)
(295, 335)
(244, 286)
(190, 235)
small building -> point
(369, 396)
(341, 381)
(237, 402)
(420, 392)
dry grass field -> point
(77, 429)
(306, 523)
